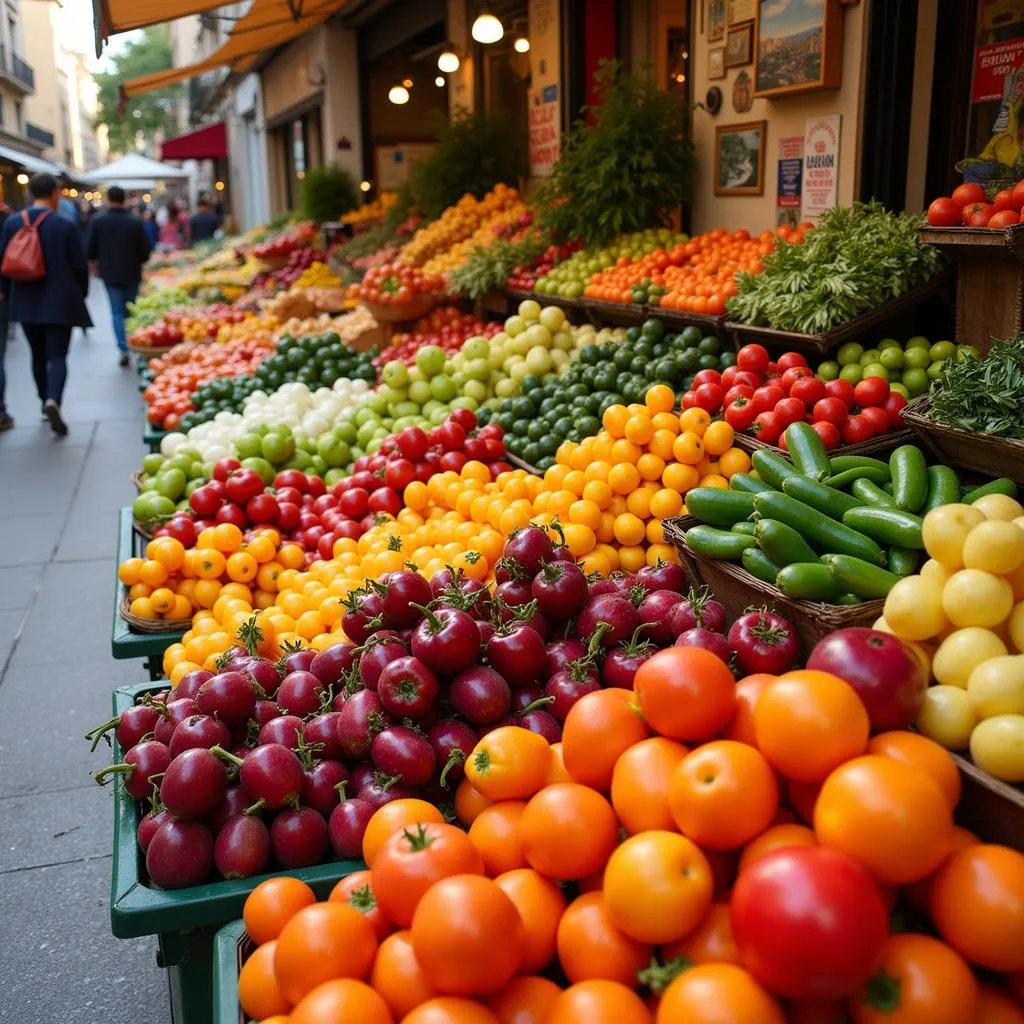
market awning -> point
(131, 168)
(207, 143)
(269, 24)
(35, 164)
(113, 16)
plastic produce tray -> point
(231, 948)
(151, 437)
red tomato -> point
(809, 922)
(1004, 200)
(877, 418)
(1018, 196)
(736, 391)
(871, 391)
(753, 357)
(709, 396)
(809, 390)
(832, 410)
(767, 397)
(689, 400)
(707, 377)
(790, 410)
(1003, 219)
(792, 375)
(980, 215)
(766, 427)
(841, 389)
(790, 359)
(752, 380)
(969, 192)
(828, 432)
(855, 430)
(740, 413)
(943, 213)
(894, 409)
(729, 376)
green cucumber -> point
(714, 543)
(807, 581)
(758, 564)
(887, 487)
(820, 496)
(748, 483)
(871, 494)
(781, 543)
(943, 488)
(744, 527)
(847, 476)
(807, 450)
(719, 507)
(887, 526)
(903, 561)
(841, 463)
(909, 477)
(816, 528)
(772, 468)
(999, 486)
(848, 599)
(855, 576)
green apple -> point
(419, 392)
(538, 360)
(395, 374)
(466, 402)
(966, 351)
(516, 324)
(900, 389)
(916, 381)
(916, 358)
(152, 462)
(529, 309)
(918, 341)
(442, 388)
(869, 356)
(475, 389)
(892, 358)
(333, 450)
(260, 465)
(476, 348)
(853, 372)
(430, 359)
(171, 483)
(934, 369)
(249, 446)
(278, 447)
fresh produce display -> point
(857, 258)
(910, 369)
(524, 277)
(372, 210)
(151, 306)
(396, 284)
(298, 263)
(283, 245)
(444, 327)
(971, 206)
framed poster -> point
(742, 93)
(739, 159)
(716, 21)
(716, 63)
(798, 46)
(739, 11)
(738, 42)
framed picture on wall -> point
(716, 21)
(738, 44)
(739, 159)
(798, 46)
(740, 11)
(716, 63)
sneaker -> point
(51, 411)
(6, 421)
(124, 360)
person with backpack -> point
(44, 279)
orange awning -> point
(269, 24)
(114, 16)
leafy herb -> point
(326, 193)
(857, 258)
(983, 395)
(625, 166)
(367, 243)
(487, 269)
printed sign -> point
(790, 186)
(544, 99)
(991, 66)
(820, 165)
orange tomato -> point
(723, 794)
(716, 993)
(748, 689)
(450, 1010)
(775, 838)
(590, 945)
(398, 977)
(341, 999)
(807, 722)
(525, 1001)
(977, 904)
(556, 769)
(392, 818)
(640, 784)
(599, 728)
(996, 1007)
(567, 831)
(272, 904)
(357, 891)
(711, 942)
(469, 802)
(495, 832)
(887, 815)
(258, 991)
(599, 1002)
(509, 763)
(540, 904)
(932, 759)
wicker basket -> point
(883, 444)
(420, 306)
(620, 313)
(138, 625)
(993, 456)
(737, 590)
(144, 530)
(679, 318)
(148, 352)
(136, 479)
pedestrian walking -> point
(6, 419)
(150, 226)
(44, 279)
(170, 228)
(118, 245)
(203, 224)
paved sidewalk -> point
(58, 521)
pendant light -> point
(487, 28)
(448, 60)
(398, 94)
(521, 45)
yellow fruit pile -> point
(318, 275)
(371, 211)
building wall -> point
(921, 105)
(342, 117)
(247, 153)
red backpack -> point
(23, 259)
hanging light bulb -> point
(407, 82)
(487, 29)
(398, 94)
(448, 61)
(364, 186)
(521, 45)
(439, 81)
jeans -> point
(119, 299)
(5, 327)
(49, 344)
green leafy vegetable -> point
(487, 269)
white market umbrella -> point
(133, 172)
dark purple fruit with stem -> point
(333, 663)
(617, 582)
(400, 751)
(299, 661)
(560, 653)
(519, 653)
(487, 630)
(613, 610)
(453, 741)
(560, 590)
(242, 847)
(524, 696)
(129, 727)
(284, 729)
(263, 674)
(320, 786)
(663, 576)
(364, 606)
(447, 640)
(403, 593)
(193, 784)
(537, 719)
(655, 611)
(265, 711)
(234, 802)
(150, 824)
(481, 695)
(229, 696)
(382, 789)
(360, 775)
(407, 688)
(177, 712)
(621, 663)
(180, 854)
(361, 718)
(347, 827)
(530, 547)
(321, 734)
(145, 760)
(569, 684)
(697, 609)
(709, 640)
(514, 593)
(271, 775)
(379, 652)
(188, 685)
(199, 731)
(299, 838)
(300, 694)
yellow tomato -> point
(962, 652)
(945, 529)
(996, 686)
(994, 546)
(946, 717)
(997, 747)
(972, 597)
(999, 506)
(913, 609)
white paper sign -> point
(821, 165)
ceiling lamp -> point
(439, 81)
(407, 82)
(398, 94)
(487, 29)
(521, 45)
(448, 61)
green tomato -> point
(475, 389)
(918, 341)
(828, 370)
(876, 369)
(900, 389)
(171, 483)
(889, 343)
(892, 358)
(430, 359)
(333, 451)
(442, 388)
(538, 360)
(476, 348)
(942, 350)
(552, 317)
(419, 392)
(404, 409)
(148, 507)
(277, 448)
(438, 417)
(869, 356)
(916, 358)
(516, 324)
(302, 458)
(395, 374)
(506, 388)
(152, 462)
(317, 466)
(850, 353)
(334, 475)
(376, 405)
(965, 351)
(853, 372)
(916, 381)
(265, 470)
(529, 309)
(249, 446)
(466, 402)
(346, 431)
(934, 369)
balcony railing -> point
(14, 67)
(37, 134)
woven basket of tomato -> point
(396, 293)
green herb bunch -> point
(984, 396)
(856, 258)
(367, 242)
(487, 269)
(326, 193)
(624, 169)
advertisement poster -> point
(790, 186)
(545, 104)
(820, 165)
(991, 66)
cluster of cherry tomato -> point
(970, 206)
(523, 277)
(445, 327)
(395, 284)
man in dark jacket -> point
(48, 309)
(203, 224)
(117, 241)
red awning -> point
(207, 143)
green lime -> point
(889, 343)
(876, 369)
(900, 389)
(249, 446)
(853, 372)
(934, 369)
(869, 356)
(963, 351)
(892, 358)
(850, 353)
(916, 358)
(942, 350)
(828, 370)
(918, 341)
(916, 381)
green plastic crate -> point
(124, 644)
(231, 948)
(151, 437)
(185, 921)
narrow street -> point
(58, 516)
